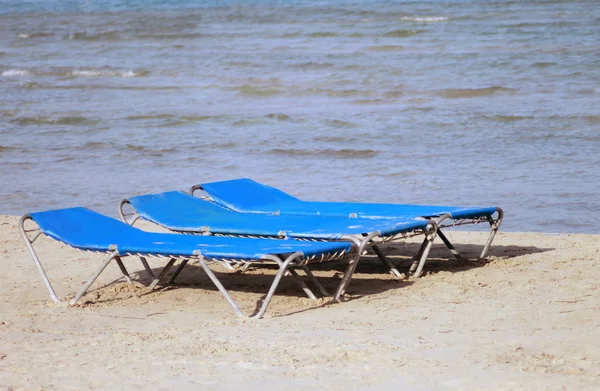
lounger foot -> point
(495, 225)
(416, 268)
(163, 273)
(390, 266)
(448, 244)
(89, 282)
(266, 301)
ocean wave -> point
(34, 35)
(100, 36)
(322, 34)
(509, 118)
(147, 150)
(458, 93)
(424, 19)
(15, 73)
(340, 153)
(338, 123)
(279, 116)
(347, 93)
(370, 101)
(70, 120)
(385, 48)
(70, 72)
(105, 73)
(96, 145)
(258, 91)
(335, 139)
(403, 33)
(313, 65)
(543, 64)
(150, 116)
(594, 119)
(5, 148)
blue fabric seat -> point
(182, 212)
(247, 196)
(84, 229)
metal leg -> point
(302, 284)
(424, 256)
(162, 273)
(177, 271)
(29, 244)
(360, 244)
(424, 250)
(94, 277)
(219, 286)
(495, 224)
(123, 270)
(391, 268)
(275, 284)
(282, 269)
(314, 280)
(450, 246)
(147, 267)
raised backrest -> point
(245, 194)
(83, 228)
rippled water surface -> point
(437, 102)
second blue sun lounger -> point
(181, 212)
(247, 196)
(86, 230)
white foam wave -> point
(24, 36)
(15, 72)
(425, 19)
(96, 73)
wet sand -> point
(527, 320)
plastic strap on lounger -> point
(247, 196)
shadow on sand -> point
(371, 276)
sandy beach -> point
(527, 320)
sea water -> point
(459, 102)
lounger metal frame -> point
(442, 221)
(285, 264)
(360, 244)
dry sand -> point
(529, 319)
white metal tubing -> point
(360, 247)
(89, 283)
(391, 268)
(450, 246)
(219, 286)
(162, 273)
(302, 284)
(29, 245)
(147, 267)
(275, 284)
(316, 282)
(495, 224)
(298, 279)
(177, 271)
(425, 247)
(123, 270)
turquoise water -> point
(437, 102)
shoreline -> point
(525, 320)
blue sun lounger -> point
(86, 230)
(247, 196)
(181, 212)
